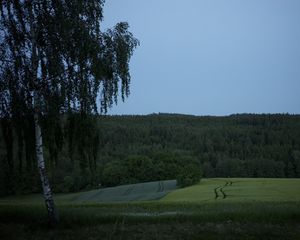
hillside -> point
(238, 145)
(115, 150)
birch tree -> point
(55, 59)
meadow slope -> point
(239, 190)
(224, 208)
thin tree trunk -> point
(52, 212)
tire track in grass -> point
(223, 193)
(160, 186)
(220, 189)
(216, 192)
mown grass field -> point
(239, 190)
(126, 193)
(213, 209)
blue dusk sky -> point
(211, 57)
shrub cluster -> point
(163, 166)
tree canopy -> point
(56, 51)
(56, 60)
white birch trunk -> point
(52, 213)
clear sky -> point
(211, 57)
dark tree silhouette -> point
(56, 60)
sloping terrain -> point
(223, 208)
(239, 190)
(125, 193)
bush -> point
(113, 174)
(140, 169)
(189, 175)
(137, 168)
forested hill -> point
(113, 150)
(253, 145)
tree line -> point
(88, 152)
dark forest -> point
(84, 153)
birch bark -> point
(51, 209)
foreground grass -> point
(152, 220)
(145, 231)
(252, 209)
(252, 220)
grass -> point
(125, 193)
(239, 190)
(252, 209)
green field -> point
(235, 208)
(126, 193)
(239, 190)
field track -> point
(239, 190)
